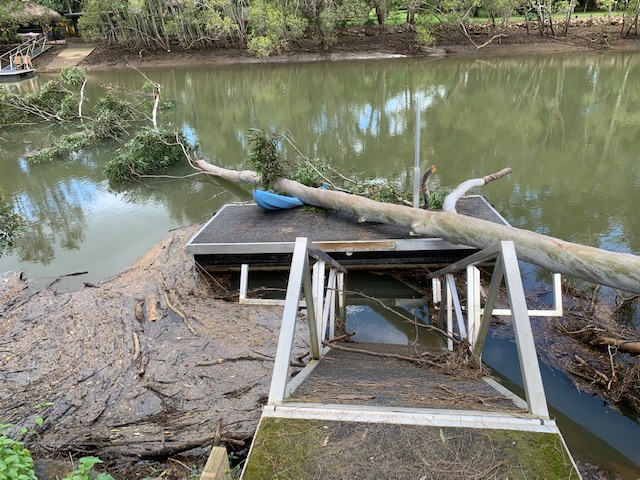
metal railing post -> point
(455, 299)
(297, 277)
(244, 282)
(342, 301)
(492, 295)
(529, 367)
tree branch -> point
(450, 201)
(616, 270)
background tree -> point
(273, 25)
(63, 6)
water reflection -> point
(568, 126)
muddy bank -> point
(154, 362)
(144, 365)
(388, 41)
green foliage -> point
(265, 157)
(63, 146)
(148, 152)
(10, 222)
(424, 34)
(84, 470)
(15, 460)
(160, 23)
(53, 102)
(262, 46)
(308, 175)
(74, 76)
(273, 24)
(377, 189)
(268, 159)
(113, 116)
(53, 99)
(436, 198)
(324, 16)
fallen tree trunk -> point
(616, 270)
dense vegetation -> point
(118, 115)
(266, 26)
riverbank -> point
(137, 368)
(221, 311)
(387, 41)
(154, 363)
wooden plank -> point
(217, 467)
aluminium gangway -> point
(17, 62)
(351, 414)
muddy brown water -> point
(566, 124)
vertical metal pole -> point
(436, 288)
(449, 303)
(244, 282)
(318, 297)
(473, 303)
(557, 294)
(470, 305)
(416, 165)
(455, 300)
(492, 295)
(334, 300)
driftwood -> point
(621, 344)
(616, 270)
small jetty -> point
(246, 234)
(16, 63)
(374, 410)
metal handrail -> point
(24, 49)
(320, 302)
(506, 268)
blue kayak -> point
(273, 201)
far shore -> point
(369, 43)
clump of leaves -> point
(148, 152)
(379, 189)
(113, 116)
(308, 175)
(74, 76)
(10, 222)
(66, 144)
(436, 198)
(15, 459)
(84, 470)
(10, 113)
(266, 158)
(53, 100)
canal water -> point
(568, 125)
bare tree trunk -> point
(616, 270)
(572, 6)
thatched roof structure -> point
(29, 12)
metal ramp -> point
(17, 62)
(356, 414)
